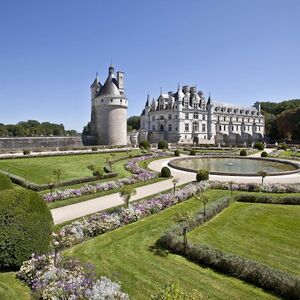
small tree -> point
(165, 172)
(231, 183)
(185, 220)
(145, 144)
(162, 144)
(243, 152)
(126, 193)
(51, 183)
(58, 173)
(263, 174)
(175, 180)
(109, 161)
(204, 199)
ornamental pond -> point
(235, 165)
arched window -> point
(161, 127)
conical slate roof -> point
(110, 87)
(96, 82)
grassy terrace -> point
(11, 288)
(267, 233)
(40, 169)
(124, 255)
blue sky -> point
(241, 51)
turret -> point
(210, 125)
(95, 87)
(179, 98)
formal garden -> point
(201, 240)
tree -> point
(58, 173)
(175, 180)
(185, 220)
(231, 183)
(263, 174)
(134, 122)
(126, 193)
(204, 199)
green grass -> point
(13, 289)
(267, 233)
(288, 153)
(124, 255)
(40, 169)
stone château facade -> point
(186, 116)
(109, 110)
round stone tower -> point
(110, 111)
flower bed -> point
(255, 187)
(103, 222)
(139, 174)
(60, 278)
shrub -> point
(176, 153)
(264, 154)
(291, 200)
(107, 169)
(5, 183)
(202, 175)
(165, 172)
(94, 148)
(26, 152)
(243, 152)
(259, 146)
(193, 152)
(282, 146)
(162, 144)
(26, 225)
(145, 144)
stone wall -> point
(39, 142)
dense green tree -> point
(288, 124)
(134, 122)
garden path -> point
(77, 210)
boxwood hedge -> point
(26, 225)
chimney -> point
(120, 78)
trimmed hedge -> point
(176, 153)
(40, 187)
(165, 172)
(264, 154)
(193, 152)
(291, 200)
(243, 152)
(259, 146)
(26, 225)
(5, 183)
(145, 144)
(281, 283)
(202, 175)
(162, 144)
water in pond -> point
(234, 165)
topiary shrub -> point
(165, 172)
(26, 152)
(202, 175)
(26, 225)
(162, 144)
(107, 169)
(5, 183)
(259, 146)
(243, 152)
(264, 154)
(145, 144)
(193, 152)
(176, 153)
(282, 146)
(94, 148)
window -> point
(248, 120)
(195, 105)
(224, 118)
(237, 127)
(203, 118)
(220, 127)
(218, 118)
(169, 116)
(230, 119)
(176, 129)
(196, 115)
(224, 127)
(175, 116)
(170, 127)
(153, 127)
(186, 116)
(205, 137)
(237, 119)
(186, 127)
(186, 105)
(153, 118)
(203, 127)
(195, 126)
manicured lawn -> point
(288, 153)
(124, 255)
(40, 169)
(12, 289)
(267, 233)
